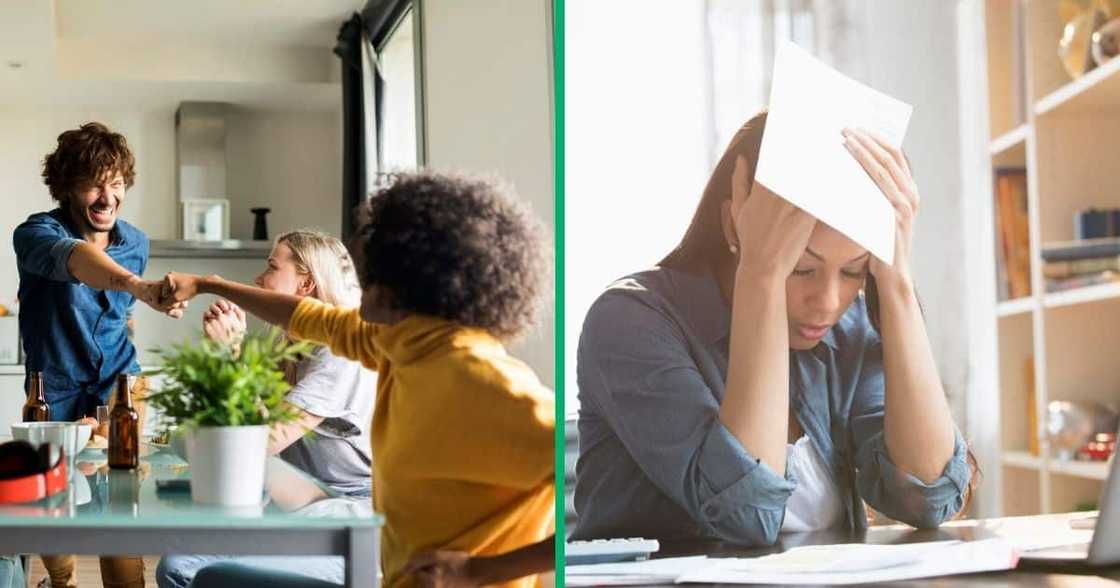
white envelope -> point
(803, 158)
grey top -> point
(337, 452)
(656, 462)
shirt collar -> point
(703, 305)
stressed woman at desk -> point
(769, 375)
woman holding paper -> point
(770, 375)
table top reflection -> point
(102, 497)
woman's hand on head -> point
(888, 168)
(770, 233)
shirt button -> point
(711, 510)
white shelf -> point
(1042, 350)
(1082, 295)
(1022, 459)
(1092, 470)
(1014, 307)
(1009, 140)
(11, 370)
(1095, 91)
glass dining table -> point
(149, 511)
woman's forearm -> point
(271, 307)
(755, 407)
(282, 435)
(918, 427)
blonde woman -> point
(334, 396)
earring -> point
(734, 248)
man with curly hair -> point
(79, 275)
(462, 432)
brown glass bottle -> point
(36, 408)
(124, 428)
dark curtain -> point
(354, 172)
(377, 18)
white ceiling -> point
(273, 54)
(282, 23)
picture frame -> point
(205, 219)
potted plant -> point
(223, 399)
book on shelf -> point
(1082, 281)
(1013, 230)
(1096, 223)
(1057, 270)
(1003, 290)
(1082, 249)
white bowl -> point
(49, 431)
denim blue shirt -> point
(76, 335)
(655, 460)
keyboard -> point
(597, 551)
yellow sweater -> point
(462, 435)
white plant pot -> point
(227, 464)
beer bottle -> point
(36, 408)
(124, 428)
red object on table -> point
(1100, 448)
(28, 474)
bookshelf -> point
(1060, 345)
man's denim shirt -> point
(656, 462)
(76, 335)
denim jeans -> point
(180, 571)
(11, 572)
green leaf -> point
(209, 384)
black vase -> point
(260, 223)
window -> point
(383, 114)
(400, 126)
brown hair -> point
(703, 250)
(87, 154)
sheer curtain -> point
(654, 90)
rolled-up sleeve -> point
(635, 367)
(43, 249)
(887, 488)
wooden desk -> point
(1028, 574)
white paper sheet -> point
(852, 557)
(633, 573)
(1023, 533)
(803, 158)
(920, 560)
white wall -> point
(290, 162)
(488, 107)
(928, 80)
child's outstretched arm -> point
(342, 329)
(270, 307)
